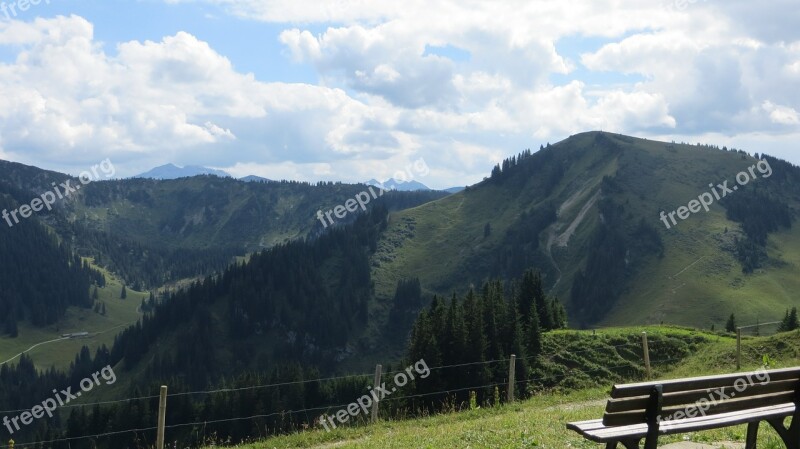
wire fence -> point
(627, 348)
(761, 329)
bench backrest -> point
(675, 399)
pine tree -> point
(476, 340)
(789, 322)
(123, 294)
(492, 301)
(543, 310)
(730, 326)
(784, 322)
(559, 314)
(454, 343)
(514, 343)
(525, 296)
(534, 334)
(11, 326)
(455, 334)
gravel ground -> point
(720, 445)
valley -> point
(250, 286)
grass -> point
(102, 329)
(535, 423)
(539, 422)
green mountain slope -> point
(144, 234)
(151, 232)
(632, 268)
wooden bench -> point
(648, 410)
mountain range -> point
(245, 279)
(172, 171)
(407, 186)
(546, 210)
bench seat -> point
(648, 410)
(594, 429)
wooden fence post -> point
(646, 351)
(377, 384)
(511, 371)
(162, 417)
(738, 348)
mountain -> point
(148, 232)
(453, 189)
(402, 186)
(171, 171)
(586, 212)
(254, 178)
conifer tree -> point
(476, 339)
(789, 322)
(514, 342)
(730, 326)
(491, 300)
(123, 294)
(11, 326)
(534, 337)
(526, 295)
(559, 314)
(455, 334)
(543, 310)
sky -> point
(349, 90)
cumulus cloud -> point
(66, 101)
(707, 68)
(782, 115)
(367, 61)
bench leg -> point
(628, 444)
(752, 434)
(651, 442)
(631, 444)
(790, 436)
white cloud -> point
(782, 115)
(383, 99)
(66, 101)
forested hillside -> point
(39, 277)
(150, 233)
(586, 212)
(286, 314)
(569, 234)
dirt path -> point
(720, 445)
(563, 239)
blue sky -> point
(250, 45)
(356, 89)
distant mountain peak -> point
(254, 178)
(172, 171)
(403, 186)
